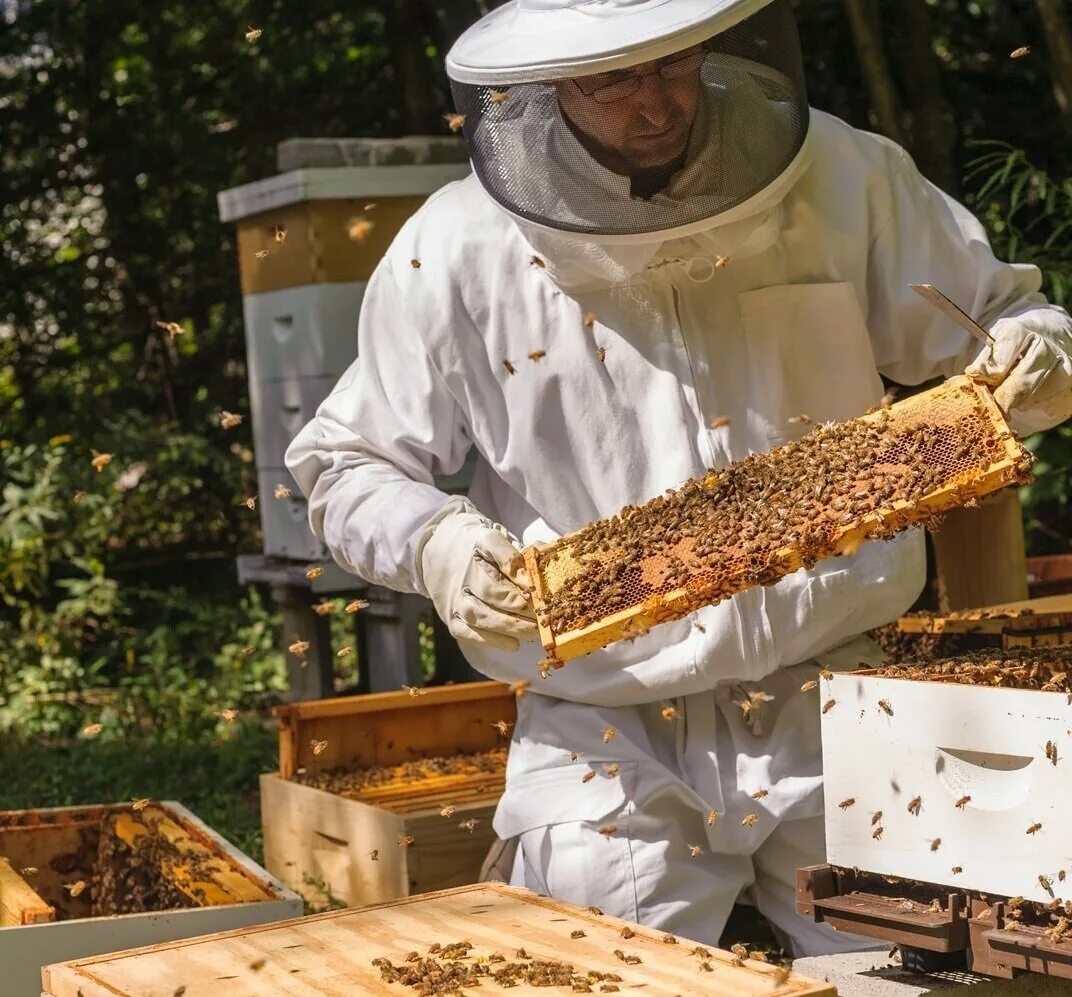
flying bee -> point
(92, 730)
(914, 805)
(498, 96)
(712, 816)
(669, 713)
(261, 253)
(448, 810)
(252, 34)
(608, 734)
(454, 121)
(809, 686)
(467, 825)
(589, 320)
(314, 572)
(323, 607)
(502, 727)
(699, 626)
(574, 755)
(258, 964)
(612, 770)
(279, 233)
(344, 652)
(749, 820)
(759, 794)
(405, 840)
(1034, 828)
(76, 888)
(228, 715)
(356, 606)
(802, 418)
(100, 460)
(174, 329)
(721, 261)
(1046, 883)
(29, 870)
(825, 673)
(829, 705)
(538, 262)
(318, 746)
(608, 829)
(299, 647)
(719, 421)
(413, 690)
(1019, 53)
(281, 492)
(520, 687)
(877, 833)
(845, 804)
(884, 705)
(695, 851)
(228, 420)
(962, 802)
(537, 355)
(247, 651)
(1051, 752)
(251, 503)
(358, 228)
(936, 844)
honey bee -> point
(846, 803)
(356, 605)
(281, 492)
(957, 870)
(669, 940)
(712, 816)
(405, 840)
(467, 825)
(829, 705)
(1051, 752)
(749, 820)
(809, 686)
(802, 418)
(701, 952)
(413, 690)
(589, 775)
(100, 460)
(1019, 53)
(538, 262)
(578, 933)
(520, 687)
(279, 233)
(962, 802)
(608, 734)
(314, 572)
(358, 228)
(719, 421)
(706, 967)
(415, 263)
(76, 888)
(139, 804)
(935, 907)
(699, 626)
(669, 712)
(92, 730)
(602, 352)
(537, 355)
(261, 253)
(374, 855)
(252, 34)
(448, 810)
(258, 964)
(299, 647)
(228, 715)
(695, 851)
(454, 121)
(825, 673)
(30, 870)
(626, 932)
(721, 261)
(574, 755)
(247, 651)
(78, 496)
(173, 329)
(502, 727)
(759, 794)
(936, 844)
(1034, 828)
(876, 817)
(608, 829)
(251, 503)
(877, 833)
(914, 805)
(1046, 883)
(323, 607)
(498, 96)
(344, 652)
(884, 705)
(589, 320)
(612, 770)
(318, 746)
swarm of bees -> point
(1046, 669)
(752, 522)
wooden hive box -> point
(321, 843)
(984, 748)
(1031, 623)
(332, 954)
(45, 917)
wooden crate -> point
(331, 954)
(321, 844)
(942, 742)
(41, 922)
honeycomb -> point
(1047, 669)
(758, 519)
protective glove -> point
(470, 568)
(1031, 364)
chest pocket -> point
(808, 354)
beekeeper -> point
(662, 259)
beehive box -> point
(964, 786)
(333, 954)
(45, 916)
(764, 517)
(1030, 623)
(332, 847)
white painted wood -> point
(323, 183)
(944, 742)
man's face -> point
(648, 128)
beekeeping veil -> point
(737, 62)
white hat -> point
(528, 40)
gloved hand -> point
(1031, 362)
(470, 569)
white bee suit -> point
(812, 306)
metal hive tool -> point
(760, 518)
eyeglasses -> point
(617, 87)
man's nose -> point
(653, 99)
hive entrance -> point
(761, 518)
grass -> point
(215, 776)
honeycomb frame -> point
(975, 403)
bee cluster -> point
(449, 969)
(134, 878)
(1043, 668)
(900, 646)
(352, 782)
(762, 517)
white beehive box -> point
(941, 743)
(57, 845)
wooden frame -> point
(334, 952)
(321, 844)
(19, 902)
(1030, 614)
(673, 605)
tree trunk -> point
(1059, 40)
(418, 95)
(934, 130)
(867, 37)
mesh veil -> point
(750, 122)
